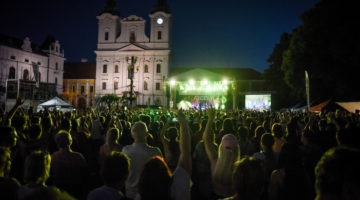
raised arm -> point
(12, 112)
(164, 141)
(208, 138)
(185, 141)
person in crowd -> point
(37, 171)
(248, 179)
(222, 162)
(8, 186)
(337, 174)
(69, 168)
(290, 181)
(8, 137)
(227, 128)
(243, 135)
(115, 171)
(278, 134)
(112, 144)
(138, 152)
(169, 139)
(168, 185)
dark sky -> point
(205, 33)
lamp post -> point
(172, 83)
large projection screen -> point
(258, 102)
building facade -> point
(32, 65)
(79, 83)
(123, 40)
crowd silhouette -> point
(146, 153)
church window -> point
(116, 85)
(82, 89)
(12, 57)
(159, 35)
(158, 68)
(146, 68)
(39, 63)
(56, 66)
(27, 60)
(145, 85)
(26, 74)
(104, 85)
(56, 81)
(116, 69)
(132, 37)
(57, 49)
(157, 86)
(104, 69)
(106, 35)
(12, 73)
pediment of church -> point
(132, 47)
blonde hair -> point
(225, 164)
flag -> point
(307, 86)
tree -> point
(327, 45)
(109, 99)
(274, 75)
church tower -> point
(160, 23)
(108, 23)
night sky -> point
(205, 33)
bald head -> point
(139, 132)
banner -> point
(307, 86)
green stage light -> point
(172, 82)
(191, 82)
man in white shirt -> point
(139, 153)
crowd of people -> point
(145, 153)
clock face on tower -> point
(159, 20)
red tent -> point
(319, 107)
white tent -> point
(55, 103)
(350, 106)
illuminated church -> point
(123, 39)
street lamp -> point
(172, 83)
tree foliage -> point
(327, 46)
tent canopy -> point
(319, 107)
(350, 106)
(57, 103)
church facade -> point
(125, 51)
(34, 67)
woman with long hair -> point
(111, 144)
(223, 161)
(169, 140)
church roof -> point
(161, 6)
(17, 44)
(79, 70)
(230, 73)
(110, 7)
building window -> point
(91, 89)
(73, 88)
(56, 81)
(82, 89)
(158, 68)
(157, 86)
(12, 73)
(57, 49)
(145, 85)
(146, 69)
(26, 75)
(106, 35)
(12, 57)
(132, 37)
(116, 69)
(116, 85)
(27, 60)
(159, 35)
(104, 85)
(104, 69)
(56, 66)
(39, 63)
(64, 87)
